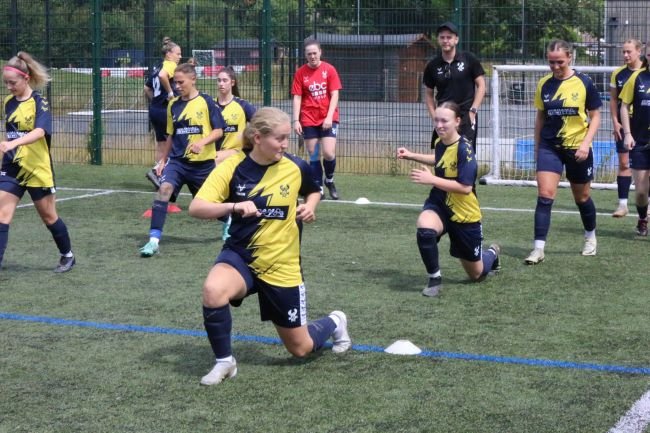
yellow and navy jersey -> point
(236, 114)
(30, 164)
(190, 121)
(270, 244)
(636, 92)
(617, 81)
(457, 162)
(153, 82)
(566, 104)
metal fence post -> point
(96, 133)
(267, 53)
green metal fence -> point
(100, 52)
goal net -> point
(203, 57)
(513, 113)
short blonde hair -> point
(264, 122)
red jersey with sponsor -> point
(315, 86)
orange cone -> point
(171, 208)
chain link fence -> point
(100, 54)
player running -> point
(26, 159)
(194, 124)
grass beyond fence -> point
(116, 345)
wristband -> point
(170, 94)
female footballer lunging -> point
(260, 187)
(452, 206)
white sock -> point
(590, 234)
(154, 240)
(68, 254)
(226, 359)
(336, 320)
(622, 201)
(538, 244)
(435, 274)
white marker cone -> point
(403, 347)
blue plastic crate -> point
(604, 155)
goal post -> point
(511, 150)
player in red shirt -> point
(315, 93)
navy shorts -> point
(318, 131)
(640, 157)
(620, 145)
(192, 174)
(284, 306)
(158, 119)
(465, 239)
(11, 185)
(554, 159)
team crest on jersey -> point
(241, 190)
(547, 97)
(198, 115)
(461, 66)
(284, 190)
(324, 73)
(574, 96)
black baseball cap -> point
(448, 25)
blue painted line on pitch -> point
(550, 363)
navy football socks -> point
(320, 331)
(588, 214)
(60, 235)
(158, 216)
(543, 217)
(428, 245)
(329, 167)
(623, 186)
(4, 239)
(218, 325)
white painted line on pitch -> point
(70, 198)
(111, 191)
(378, 203)
(636, 419)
